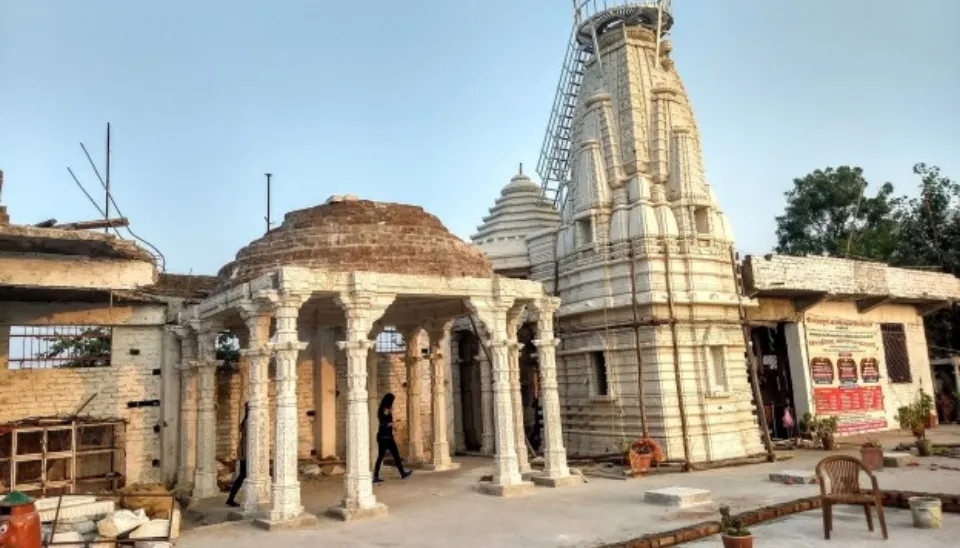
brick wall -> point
(48, 392)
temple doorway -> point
(776, 383)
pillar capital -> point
(286, 346)
(546, 343)
(358, 348)
(362, 309)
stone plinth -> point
(513, 490)
(352, 514)
(298, 522)
(790, 477)
(677, 496)
(898, 459)
(440, 467)
(565, 481)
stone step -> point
(896, 459)
(677, 496)
(791, 477)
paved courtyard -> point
(436, 509)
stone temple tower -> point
(643, 257)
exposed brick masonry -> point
(360, 235)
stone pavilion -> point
(320, 288)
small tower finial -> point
(521, 168)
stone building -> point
(85, 360)
(842, 337)
(315, 294)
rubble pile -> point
(98, 520)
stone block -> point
(896, 459)
(514, 490)
(84, 525)
(790, 477)
(677, 496)
(302, 521)
(351, 514)
(566, 481)
(67, 538)
(157, 528)
(121, 522)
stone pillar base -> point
(514, 490)
(351, 514)
(304, 520)
(563, 481)
(440, 467)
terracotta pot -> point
(737, 542)
(640, 462)
(828, 443)
(872, 458)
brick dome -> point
(347, 234)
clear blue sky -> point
(435, 102)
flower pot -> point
(828, 443)
(924, 447)
(927, 512)
(640, 462)
(737, 542)
(872, 458)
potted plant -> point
(871, 453)
(914, 417)
(642, 453)
(733, 532)
(826, 430)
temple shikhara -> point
(601, 304)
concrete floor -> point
(434, 509)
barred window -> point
(895, 352)
(389, 341)
(59, 346)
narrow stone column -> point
(188, 410)
(373, 395)
(506, 472)
(523, 461)
(441, 447)
(361, 311)
(414, 427)
(257, 485)
(486, 402)
(459, 443)
(205, 477)
(555, 471)
(285, 494)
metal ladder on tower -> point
(553, 167)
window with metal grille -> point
(390, 341)
(895, 352)
(59, 346)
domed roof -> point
(346, 234)
(518, 212)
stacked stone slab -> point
(638, 188)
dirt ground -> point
(440, 509)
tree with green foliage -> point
(830, 211)
(91, 348)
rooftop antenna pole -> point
(521, 168)
(107, 184)
(269, 175)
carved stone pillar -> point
(506, 474)
(373, 394)
(205, 476)
(555, 471)
(361, 310)
(486, 400)
(513, 354)
(459, 443)
(285, 493)
(414, 426)
(441, 446)
(257, 485)
(188, 410)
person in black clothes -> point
(242, 459)
(385, 441)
